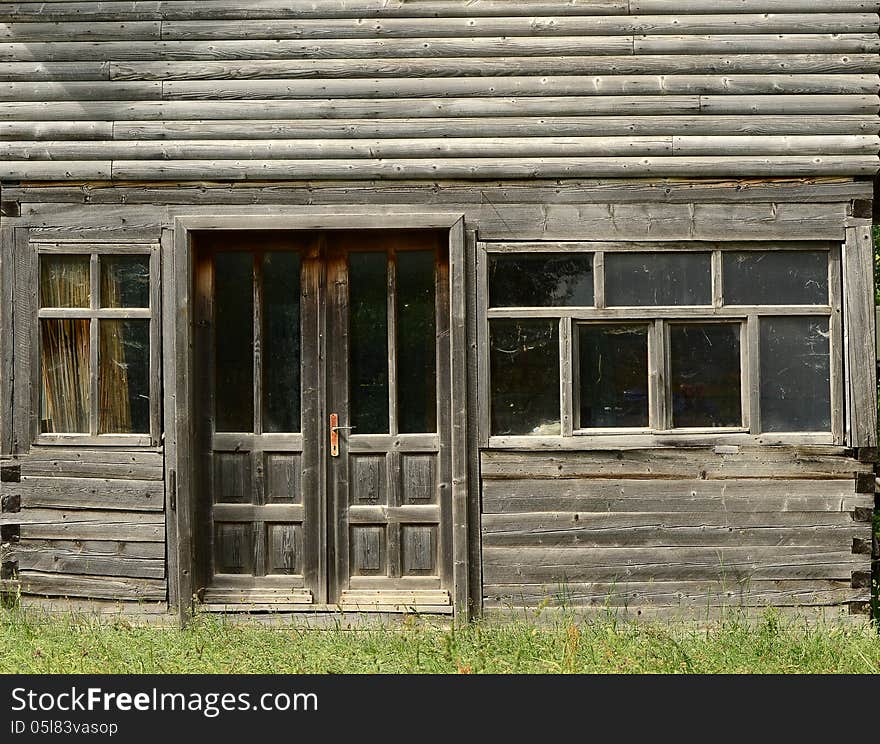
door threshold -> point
(330, 609)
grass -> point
(31, 643)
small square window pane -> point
(541, 280)
(125, 281)
(64, 281)
(524, 359)
(64, 373)
(613, 369)
(705, 375)
(795, 374)
(775, 277)
(124, 377)
(663, 278)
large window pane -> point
(368, 339)
(613, 368)
(281, 340)
(124, 377)
(64, 281)
(647, 279)
(234, 341)
(775, 277)
(524, 359)
(705, 374)
(795, 374)
(125, 281)
(541, 279)
(416, 343)
(64, 371)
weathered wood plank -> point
(541, 565)
(88, 493)
(54, 71)
(584, 494)
(54, 524)
(106, 547)
(73, 31)
(55, 130)
(98, 587)
(72, 560)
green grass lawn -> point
(36, 644)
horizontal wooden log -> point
(513, 126)
(107, 547)
(74, 31)
(699, 594)
(698, 463)
(563, 565)
(668, 495)
(75, 561)
(672, 529)
(56, 171)
(751, 6)
(814, 43)
(99, 90)
(54, 71)
(56, 130)
(789, 145)
(88, 493)
(57, 524)
(98, 587)
(447, 67)
(142, 612)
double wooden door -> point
(323, 423)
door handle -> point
(334, 434)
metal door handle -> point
(334, 434)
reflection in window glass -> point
(541, 280)
(64, 281)
(613, 368)
(705, 374)
(64, 372)
(234, 341)
(795, 374)
(524, 369)
(124, 377)
(416, 343)
(775, 277)
(368, 339)
(666, 278)
(281, 334)
(125, 281)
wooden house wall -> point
(432, 89)
(670, 527)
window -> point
(97, 336)
(683, 340)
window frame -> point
(657, 318)
(94, 314)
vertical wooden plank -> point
(717, 280)
(836, 328)
(565, 378)
(393, 529)
(155, 345)
(94, 340)
(7, 309)
(745, 386)
(753, 356)
(482, 342)
(205, 460)
(444, 417)
(474, 554)
(393, 426)
(458, 396)
(858, 323)
(657, 388)
(258, 491)
(26, 390)
(165, 284)
(599, 279)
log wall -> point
(376, 89)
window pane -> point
(613, 367)
(705, 375)
(234, 341)
(646, 279)
(281, 340)
(795, 374)
(64, 281)
(125, 281)
(64, 370)
(124, 377)
(368, 341)
(541, 280)
(776, 278)
(524, 359)
(416, 343)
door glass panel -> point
(64, 281)
(524, 359)
(64, 369)
(368, 341)
(775, 277)
(705, 374)
(648, 279)
(416, 343)
(281, 341)
(125, 281)
(613, 366)
(124, 377)
(541, 280)
(234, 341)
(795, 374)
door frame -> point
(179, 365)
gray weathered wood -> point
(98, 587)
